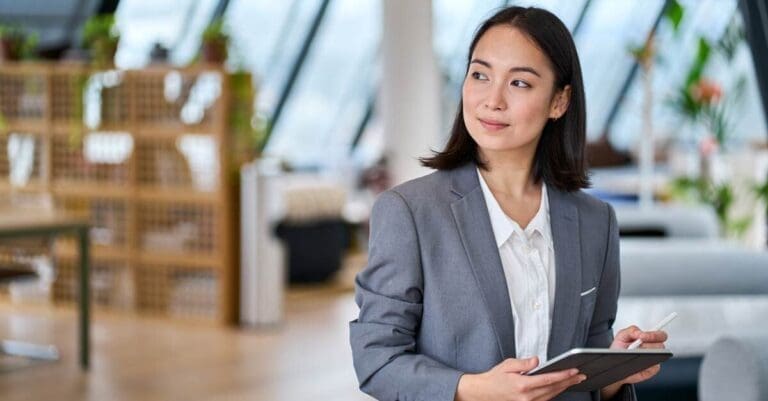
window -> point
(176, 25)
(270, 51)
(608, 30)
(676, 53)
(330, 97)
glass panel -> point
(607, 31)
(567, 11)
(330, 96)
(176, 25)
(269, 51)
(371, 145)
(188, 44)
(455, 22)
(709, 18)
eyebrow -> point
(513, 69)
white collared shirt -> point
(528, 260)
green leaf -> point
(702, 57)
(674, 14)
(762, 191)
(722, 200)
(739, 226)
(688, 189)
(732, 38)
(99, 27)
(636, 51)
(216, 31)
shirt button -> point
(536, 305)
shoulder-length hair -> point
(560, 154)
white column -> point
(409, 98)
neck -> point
(509, 175)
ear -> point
(560, 102)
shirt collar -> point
(540, 222)
(504, 227)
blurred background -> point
(185, 186)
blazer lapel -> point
(564, 220)
(476, 232)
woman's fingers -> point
(548, 379)
(652, 345)
(659, 336)
(643, 375)
(549, 392)
(512, 365)
(628, 334)
(632, 333)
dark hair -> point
(560, 154)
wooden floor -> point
(306, 358)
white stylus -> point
(659, 326)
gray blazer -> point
(433, 299)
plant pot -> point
(103, 52)
(214, 51)
(10, 49)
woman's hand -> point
(505, 381)
(625, 337)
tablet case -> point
(603, 366)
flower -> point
(708, 145)
(706, 91)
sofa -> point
(735, 367)
(718, 288)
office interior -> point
(185, 187)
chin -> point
(501, 145)
(494, 142)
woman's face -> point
(509, 92)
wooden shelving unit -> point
(147, 154)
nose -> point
(495, 99)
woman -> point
(497, 260)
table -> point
(52, 224)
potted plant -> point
(215, 42)
(645, 56)
(100, 37)
(761, 190)
(249, 129)
(16, 44)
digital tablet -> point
(603, 366)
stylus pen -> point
(659, 326)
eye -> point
(479, 76)
(520, 84)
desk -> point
(51, 224)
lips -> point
(492, 125)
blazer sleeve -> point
(389, 292)
(601, 328)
